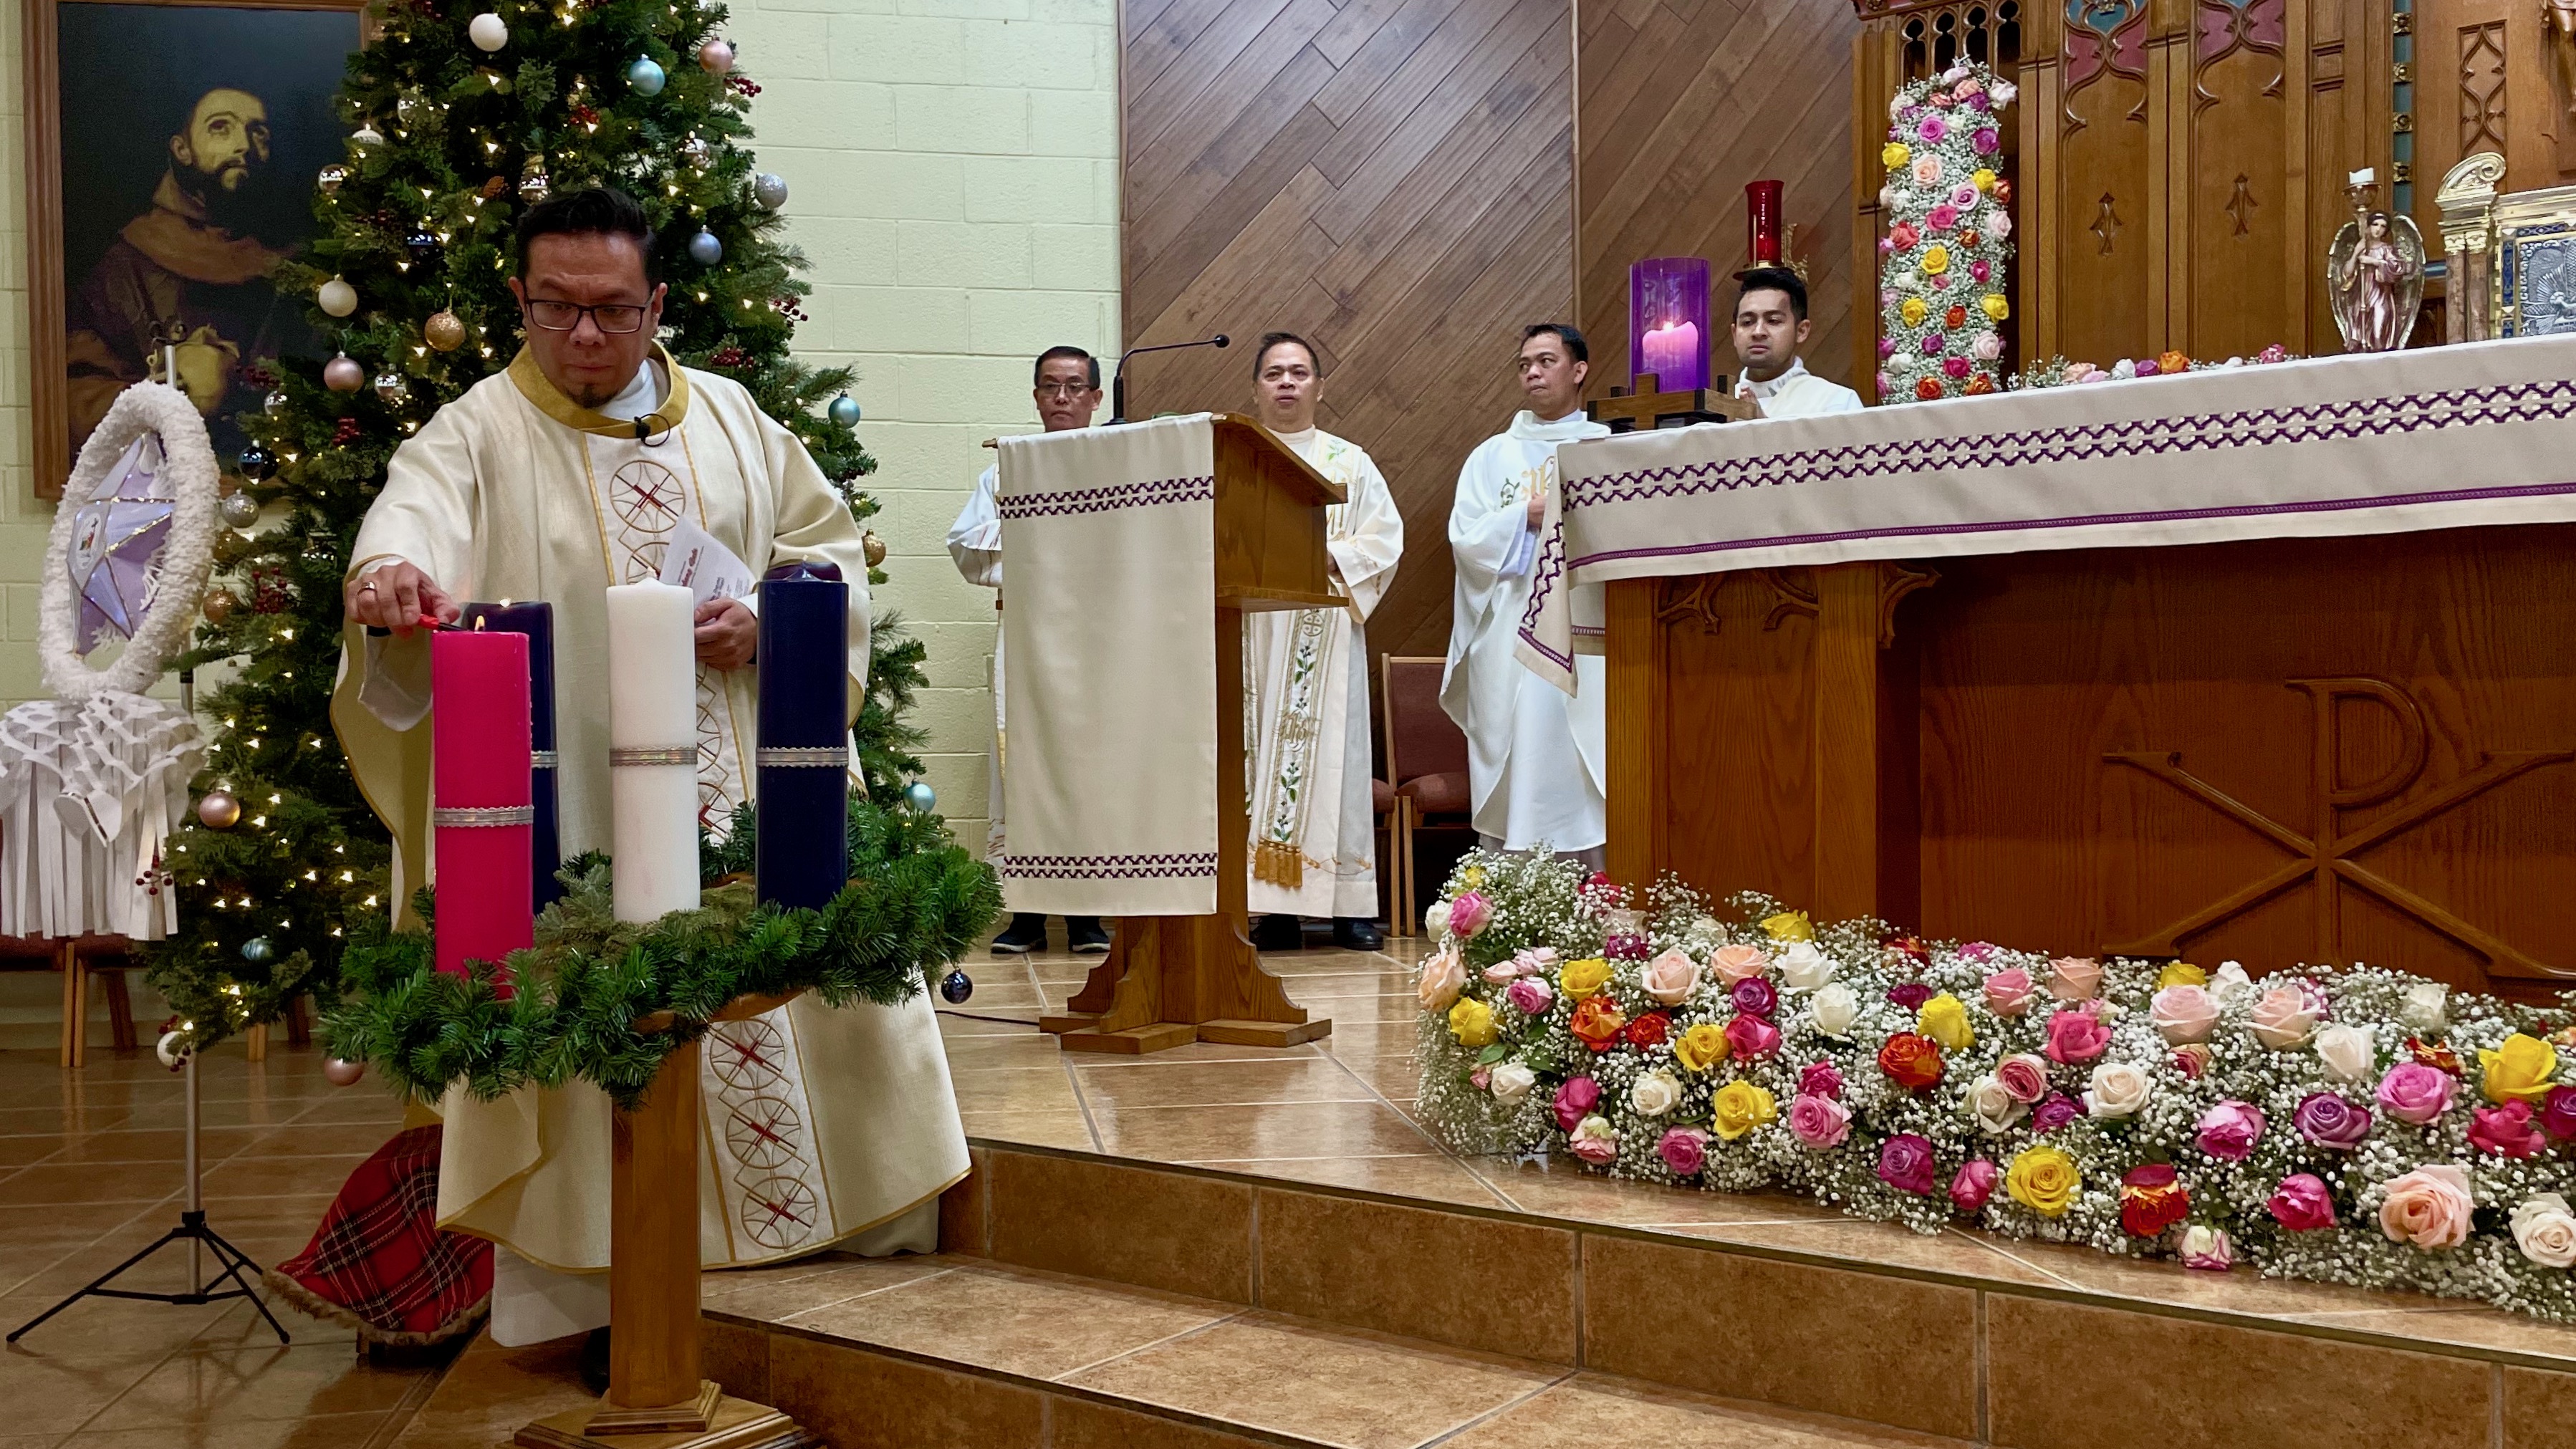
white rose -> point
(2231, 985)
(2426, 1007)
(1436, 919)
(1805, 967)
(1896, 108)
(1511, 1082)
(2545, 1230)
(2348, 1052)
(1995, 1109)
(1836, 1009)
(2118, 1089)
(1887, 198)
(1654, 1094)
(2003, 92)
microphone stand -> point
(1118, 382)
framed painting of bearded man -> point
(171, 153)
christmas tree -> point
(457, 123)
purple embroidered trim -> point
(1108, 867)
(1108, 500)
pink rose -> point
(1468, 913)
(2076, 1037)
(1885, 386)
(2074, 978)
(2054, 1113)
(1942, 217)
(1998, 224)
(1530, 996)
(2207, 1249)
(1684, 1150)
(2024, 1077)
(2302, 1203)
(2414, 1092)
(1751, 1037)
(1904, 235)
(1731, 964)
(1443, 977)
(2558, 1113)
(1933, 342)
(1886, 245)
(2285, 1017)
(1820, 1079)
(1669, 977)
(2147, 368)
(1905, 1163)
(2009, 991)
(2184, 1014)
(1981, 270)
(1886, 348)
(1595, 1141)
(1987, 140)
(1933, 129)
(2229, 1130)
(1888, 296)
(1963, 197)
(1575, 1101)
(1988, 347)
(1481, 1078)
(1819, 1122)
(2506, 1131)
(2428, 1207)
(1974, 1184)
(1956, 367)
(1502, 971)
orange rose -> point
(1910, 1061)
(1597, 1022)
(1980, 385)
(1955, 318)
(2169, 362)
(1927, 389)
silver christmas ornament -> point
(340, 1071)
(239, 509)
(697, 151)
(533, 185)
(330, 177)
(366, 137)
(257, 949)
(343, 374)
(770, 190)
(275, 402)
(391, 387)
(705, 248)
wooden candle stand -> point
(1650, 407)
(657, 1397)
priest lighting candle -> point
(803, 844)
(653, 749)
(480, 787)
(537, 622)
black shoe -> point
(1084, 937)
(1356, 933)
(594, 1361)
(1027, 934)
(1279, 932)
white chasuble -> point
(818, 1124)
(1535, 766)
(1306, 703)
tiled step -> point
(1075, 1286)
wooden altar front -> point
(2280, 751)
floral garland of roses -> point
(2355, 1126)
(1941, 264)
(2058, 372)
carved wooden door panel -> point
(2239, 195)
(2104, 247)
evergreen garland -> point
(914, 900)
(418, 220)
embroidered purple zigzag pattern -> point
(1109, 867)
(1108, 500)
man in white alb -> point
(1534, 756)
(552, 480)
(1770, 326)
(1314, 848)
(1067, 393)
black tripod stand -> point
(200, 1239)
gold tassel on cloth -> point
(1279, 863)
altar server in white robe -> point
(1770, 326)
(1067, 392)
(563, 475)
(1535, 768)
(1314, 850)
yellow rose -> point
(1700, 1047)
(1581, 978)
(1472, 1022)
(1936, 260)
(1739, 1107)
(1946, 1021)
(2043, 1180)
(1913, 310)
(1894, 154)
(1984, 179)
(1789, 926)
(1997, 309)
(2523, 1068)
(1471, 878)
(2181, 973)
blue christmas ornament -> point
(920, 797)
(257, 949)
(955, 987)
(645, 76)
(845, 411)
(705, 249)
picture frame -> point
(277, 65)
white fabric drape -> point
(89, 790)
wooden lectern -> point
(1171, 980)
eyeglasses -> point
(615, 317)
(1063, 389)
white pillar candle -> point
(653, 722)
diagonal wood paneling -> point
(1682, 103)
(1391, 178)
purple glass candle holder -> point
(1668, 322)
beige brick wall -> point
(952, 166)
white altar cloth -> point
(2444, 437)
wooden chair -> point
(79, 958)
(1426, 758)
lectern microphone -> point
(1118, 384)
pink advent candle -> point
(484, 807)
(1672, 354)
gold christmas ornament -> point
(444, 330)
(872, 547)
(220, 604)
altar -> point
(2274, 662)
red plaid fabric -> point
(379, 1258)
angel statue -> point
(2375, 272)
